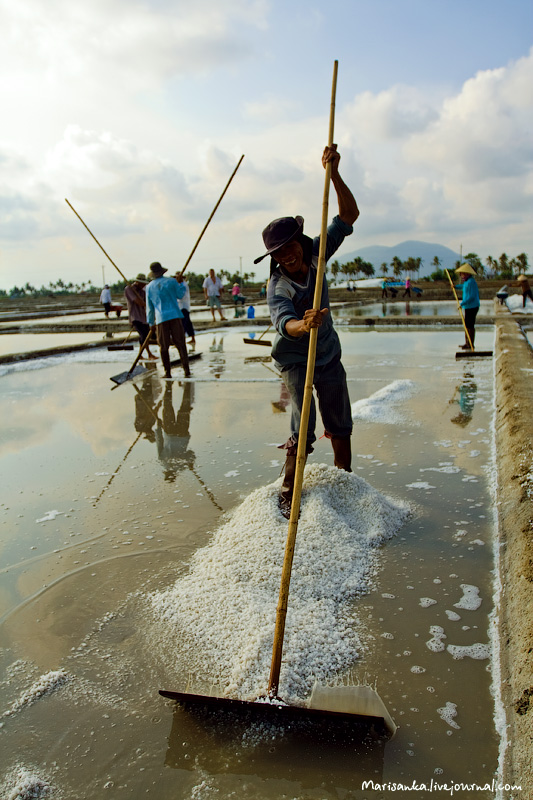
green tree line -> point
(502, 267)
(59, 287)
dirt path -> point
(514, 448)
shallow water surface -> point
(409, 308)
(109, 493)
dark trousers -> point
(330, 385)
(187, 323)
(171, 332)
(142, 328)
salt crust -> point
(47, 683)
(218, 620)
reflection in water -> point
(315, 754)
(284, 400)
(145, 411)
(465, 396)
(172, 433)
(217, 363)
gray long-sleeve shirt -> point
(288, 300)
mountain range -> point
(378, 254)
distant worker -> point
(236, 294)
(136, 302)
(213, 290)
(185, 308)
(526, 289)
(162, 309)
(407, 292)
(384, 292)
(105, 299)
(469, 303)
(293, 273)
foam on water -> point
(447, 714)
(470, 601)
(220, 616)
(477, 651)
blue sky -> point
(138, 113)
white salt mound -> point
(218, 620)
(24, 784)
(379, 407)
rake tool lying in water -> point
(260, 339)
(354, 703)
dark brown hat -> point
(156, 270)
(279, 232)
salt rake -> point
(467, 353)
(260, 340)
(353, 703)
(123, 345)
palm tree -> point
(335, 269)
(521, 260)
(492, 264)
(384, 268)
(397, 266)
(503, 262)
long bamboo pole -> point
(469, 340)
(281, 612)
(194, 248)
(96, 240)
(211, 216)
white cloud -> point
(393, 114)
(137, 113)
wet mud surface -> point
(110, 493)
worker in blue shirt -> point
(469, 303)
(162, 309)
(290, 293)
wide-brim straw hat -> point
(141, 278)
(156, 270)
(466, 268)
(522, 278)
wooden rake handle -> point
(281, 612)
(469, 340)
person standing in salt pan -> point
(162, 309)
(293, 270)
(469, 303)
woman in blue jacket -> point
(469, 303)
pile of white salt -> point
(218, 619)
